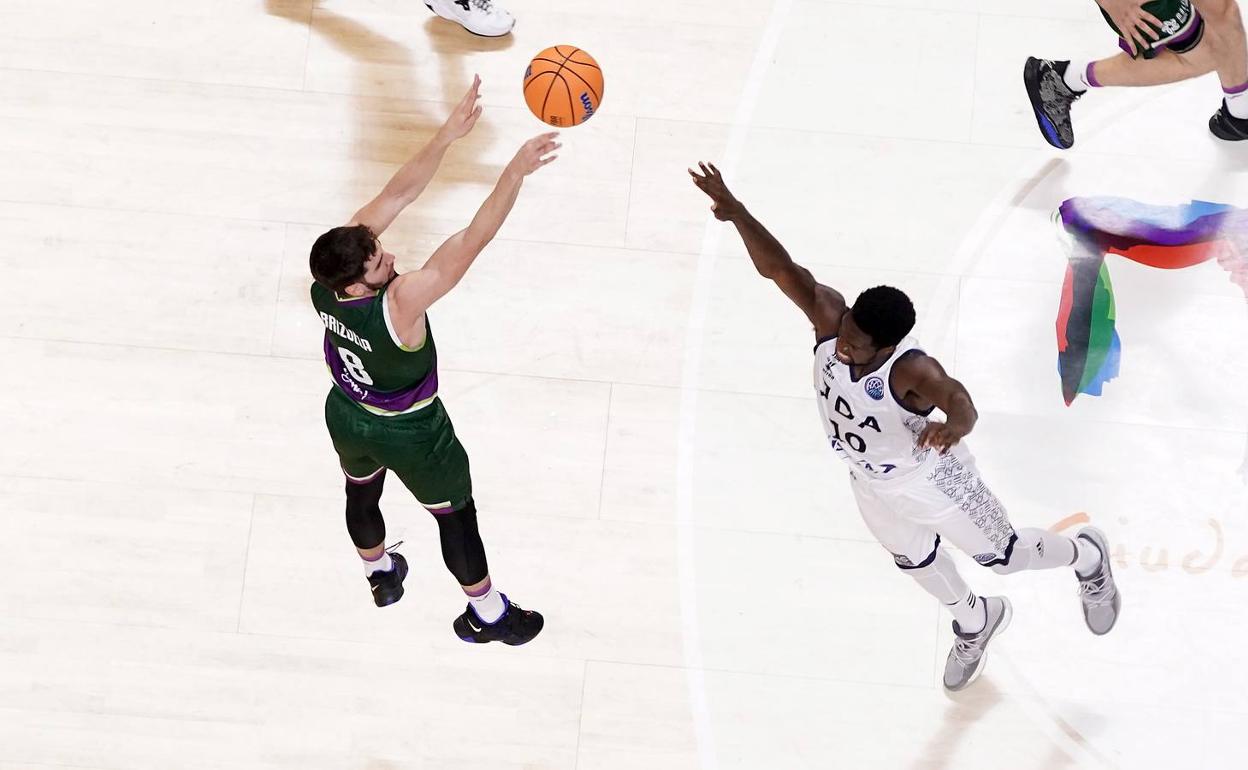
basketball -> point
(563, 86)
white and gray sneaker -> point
(966, 659)
(480, 17)
(1098, 591)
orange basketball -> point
(563, 86)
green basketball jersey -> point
(367, 361)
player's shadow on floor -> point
(965, 710)
(453, 44)
(1053, 172)
(391, 126)
(1233, 159)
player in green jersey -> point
(383, 411)
(1163, 41)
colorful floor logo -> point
(1168, 237)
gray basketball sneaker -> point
(966, 659)
(1098, 591)
(1051, 100)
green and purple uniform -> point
(384, 411)
(1181, 27)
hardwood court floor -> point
(176, 585)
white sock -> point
(1038, 548)
(488, 606)
(1237, 101)
(383, 564)
(1076, 77)
(1087, 557)
(941, 579)
(970, 612)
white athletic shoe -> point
(966, 659)
(1098, 591)
(480, 17)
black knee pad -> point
(1016, 558)
(364, 521)
(906, 563)
(462, 549)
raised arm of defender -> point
(823, 305)
(413, 177)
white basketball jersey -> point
(865, 424)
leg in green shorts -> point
(423, 451)
(421, 448)
(1180, 31)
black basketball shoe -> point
(515, 627)
(388, 586)
(1226, 126)
(1051, 99)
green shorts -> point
(421, 448)
(1181, 29)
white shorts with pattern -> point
(945, 500)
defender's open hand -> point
(711, 182)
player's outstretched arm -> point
(925, 377)
(823, 305)
(418, 290)
(413, 177)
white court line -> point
(944, 307)
(686, 552)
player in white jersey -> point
(915, 483)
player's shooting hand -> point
(1133, 22)
(941, 436)
(535, 153)
(465, 114)
(711, 182)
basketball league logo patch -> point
(875, 388)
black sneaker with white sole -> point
(515, 627)
(388, 586)
(1226, 126)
